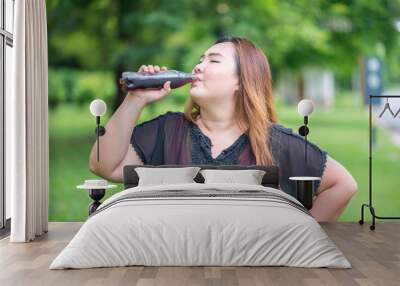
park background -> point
(315, 48)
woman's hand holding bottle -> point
(151, 94)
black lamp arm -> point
(303, 131)
(100, 131)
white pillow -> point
(250, 177)
(161, 176)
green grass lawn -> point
(342, 132)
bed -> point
(201, 223)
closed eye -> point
(210, 61)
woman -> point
(229, 119)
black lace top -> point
(201, 149)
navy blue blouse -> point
(171, 139)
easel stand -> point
(370, 205)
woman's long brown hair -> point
(254, 102)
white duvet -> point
(269, 228)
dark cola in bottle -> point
(137, 80)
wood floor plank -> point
(374, 255)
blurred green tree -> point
(121, 35)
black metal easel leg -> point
(372, 210)
(374, 216)
(361, 221)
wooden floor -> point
(374, 255)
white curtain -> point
(27, 156)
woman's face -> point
(218, 79)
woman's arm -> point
(116, 152)
(336, 189)
(114, 143)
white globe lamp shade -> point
(98, 107)
(305, 107)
